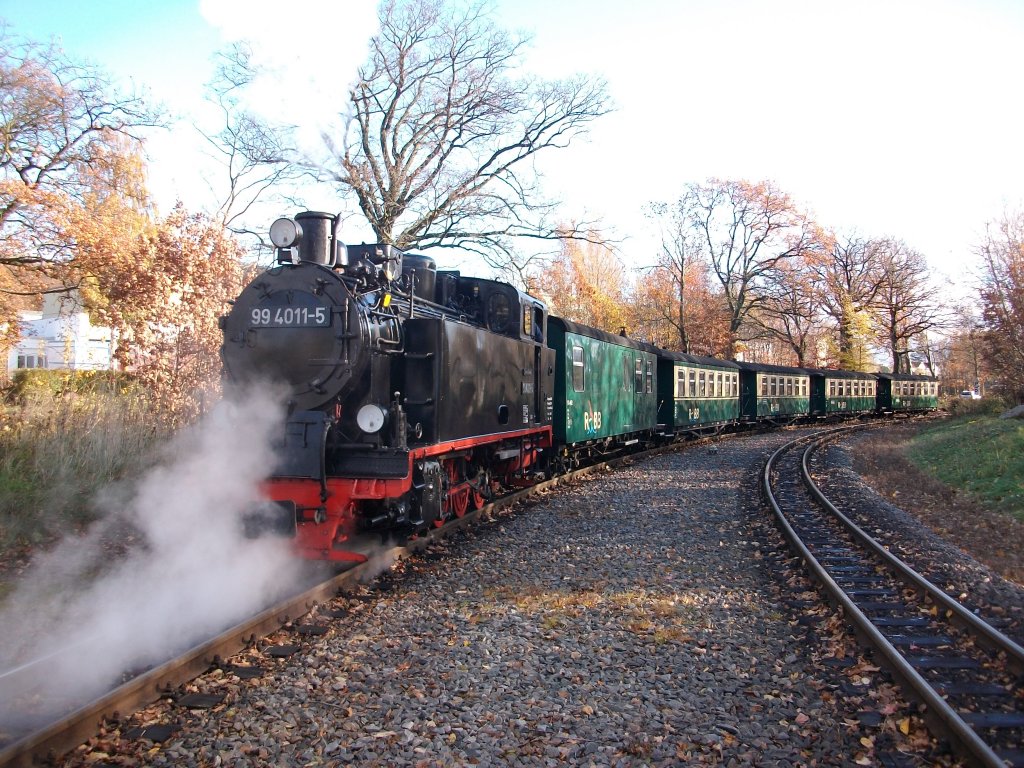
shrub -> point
(986, 406)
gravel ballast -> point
(632, 618)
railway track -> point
(48, 743)
(965, 673)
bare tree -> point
(789, 312)
(905, 306)
(258, 157)
(441, 149)
(749, 231)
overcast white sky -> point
(887, 117)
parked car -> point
(970, 394)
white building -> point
(61, 336)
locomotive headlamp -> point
(370, 418)
(284, 233)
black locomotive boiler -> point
(414, 393)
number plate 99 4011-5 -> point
(289, 317)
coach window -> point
(627, 372)
(650, 376)
(691, 390)
(638, 375)
(680, 382)
(702, 384)
(578, 380)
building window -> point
(31, 361)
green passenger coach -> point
(907, 393)
(773, 393)
(837, 392)
(696, 394)
(604, 387)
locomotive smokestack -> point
(317, 243)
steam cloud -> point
(189, 573)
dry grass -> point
(56, 452)
(665, 618)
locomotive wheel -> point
(458, 494)
(477, 498)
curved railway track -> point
(77, 726)
(965, 673)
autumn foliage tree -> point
(62, 127)
(586, 284)
(163, 300)
(1002, 298)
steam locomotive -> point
(416, 394)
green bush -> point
(986, 406)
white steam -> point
(188, 573)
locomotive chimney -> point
(317, 243)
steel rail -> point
(956, 727)
(992, 637)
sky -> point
(881, 117)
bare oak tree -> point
(749, 231)
(258, 157)
(905, 306)
(790, 310)
(441, 149)
(681, 255)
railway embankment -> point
(640, 617)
